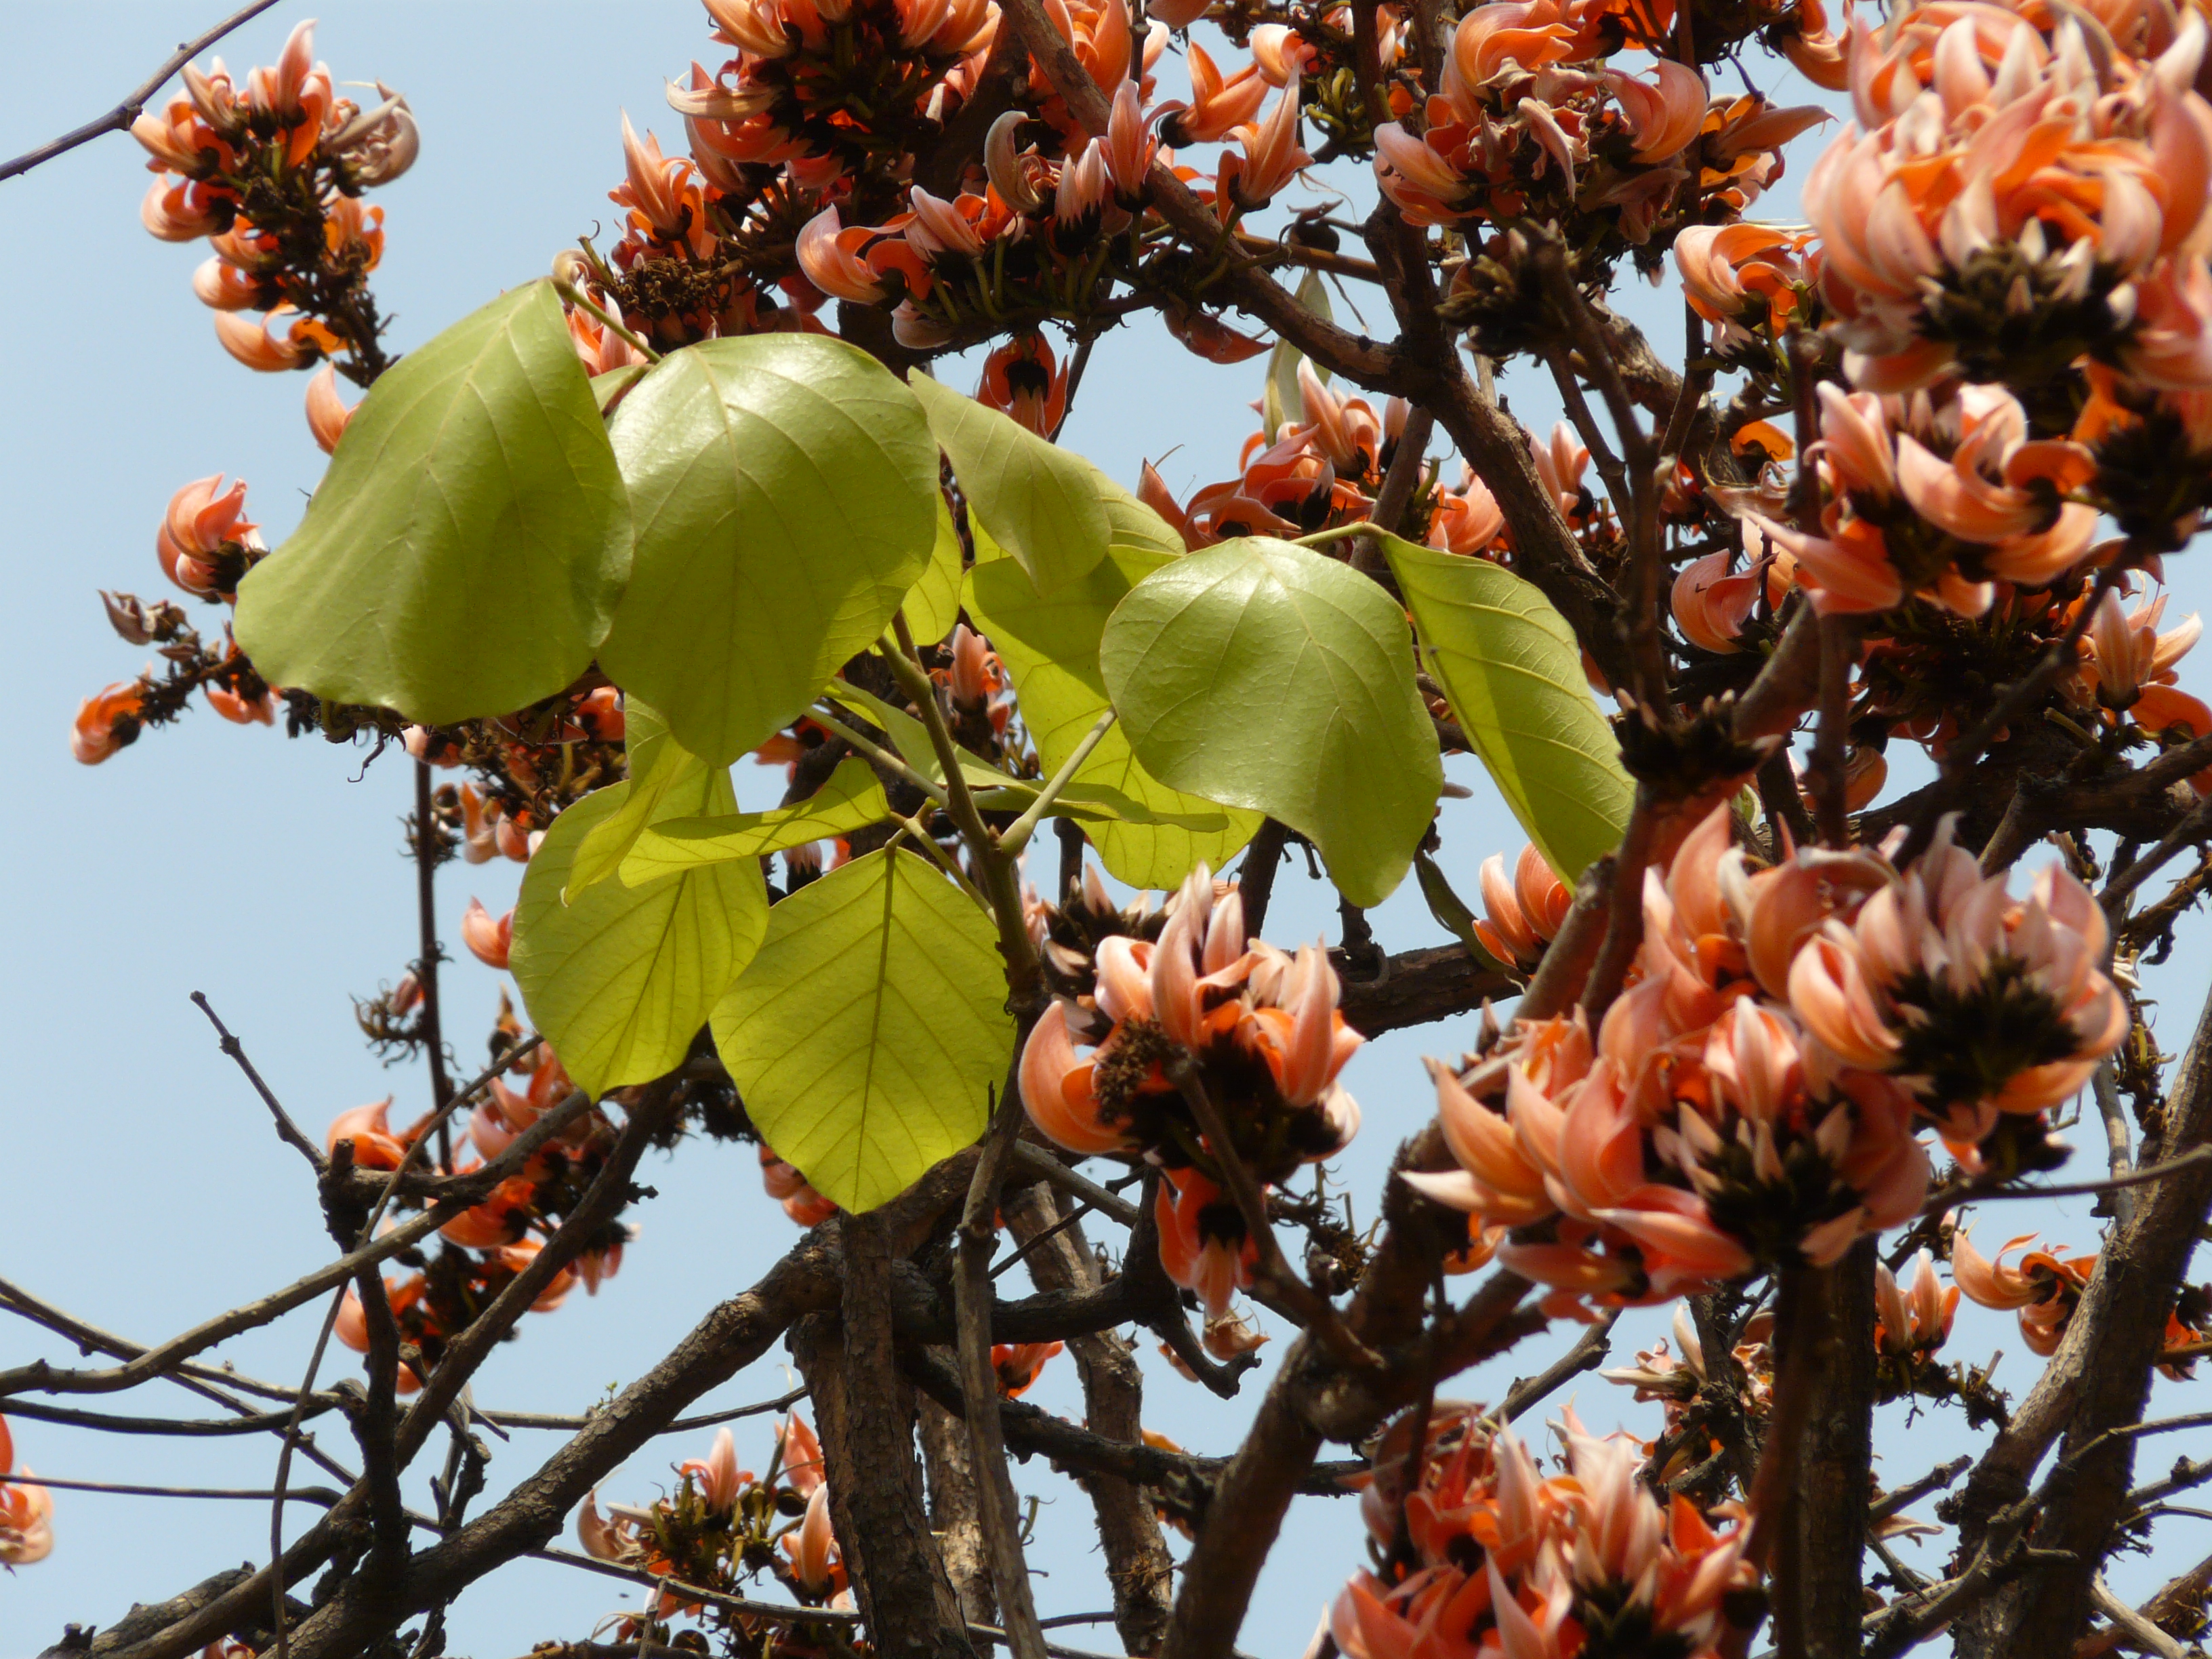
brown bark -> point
(1138, 1566)
(955, 1513)
(2112, 1342)
(1823, 1530)
(863, 1412)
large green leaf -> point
(1134, 525)
(932, 605)
(1040, 503)
(620, 980)
(658, 764)
(1272, 677)
(782, 487)
(1509, 665)
(865, 1036)
(853, 798)
(1050, 648)
(465, 551)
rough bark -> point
(863, 1413)
(955, 1513)
(1137, 1562)
(2113, 1341)
(1825, 1534)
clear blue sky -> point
(144, 1191)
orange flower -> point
(489, 941)
(107, 722)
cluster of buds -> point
(721, 1528)
(26, 1511)
(1200, 1012)
(205, 546)
(2044, 1287)
(1692, 1399)
(1478, 1552)
(482, 1249)
(1753, 1098)
(271, 174)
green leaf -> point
(783, 488)
(658, 763)
(1134, 525)
(1448, 908)
(867, 1033)
(1269, 677)
(606, 387)
(1509, 665)
(1040, 503)
(464, 553)
(1283, 403)
(620, 980)
(1050, 648)
(933, 604)
(851, 798)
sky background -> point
(145, 1190)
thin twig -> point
(1895, 1503)
(428, 840)
(1956, 1198)
(120, 118)
(287, 1131)
(1016, 835)
(680, 1425)
(978, 1236)
(1586, 1355)
(322, 1496)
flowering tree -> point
(1770, 1028)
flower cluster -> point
(483, 1248)
(1503, 1559)
(271, 174)
(1322, 465)
(2045, 1286)
(2012, 198)
(1753, 1098)
(722, 1527)
(1198, 1010)
(26, 1511)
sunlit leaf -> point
(606, 387)
(620, 980)
(853, 798)
(932, 604)
(868, 1034)
(1050, 648)
(909, 737)
(782, 487)
(1040, 503)
(1271, 678)
(464, 553)
(658, 763)
(1513, 672)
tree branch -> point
(120, 118)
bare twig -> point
(120, 118)
(287, 1131)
